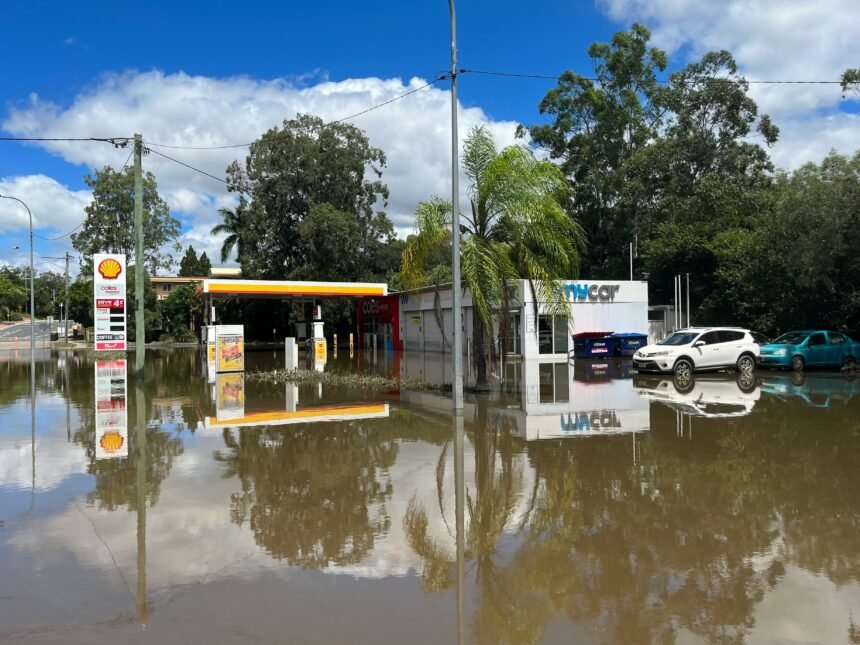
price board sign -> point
(109, 301)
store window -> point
(552, 335)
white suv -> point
(700, 349)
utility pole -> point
(456, 297)
(66, 307)
(139, 330)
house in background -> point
(163, 285)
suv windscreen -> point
(791, 338)
(679, 338)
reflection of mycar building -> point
(559, 402)
(594, 306)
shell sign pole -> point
(109, 298)
(229, 348)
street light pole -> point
(32, 282)
(456, 297)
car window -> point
(678, 338)
(709, 338)
(759, 338)
(730, 336)
(791, 338)
(836, 339)
(817, 339)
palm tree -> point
(235, 226)
(517, 228)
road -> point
(19, 333)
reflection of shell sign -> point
(110, 269)
(111, 442)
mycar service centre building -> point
(593, 306)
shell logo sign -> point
(111, 442)
(110, 269)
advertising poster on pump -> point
(109, 300)
(111, 410)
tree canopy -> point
(109, 226)
(307, 170)
(192, 266)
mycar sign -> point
(593, 292)
(109, 298)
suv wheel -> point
(746, 363)
(850, 363)
(797, 363)
(683, 368)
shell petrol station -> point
(225, 347)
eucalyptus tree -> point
(516, 227)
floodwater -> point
(579, 503)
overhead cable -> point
(439, 77)
(557, 76)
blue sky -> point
(216, 73)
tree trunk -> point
(480, 351)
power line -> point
(182, 163)
(664, 82)
(439, 77)
(117, 141)
(60, 237)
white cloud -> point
(53, 205)
(179, 109)
(770, 39)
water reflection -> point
(531, 518)
(711, 396)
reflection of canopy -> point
(306, 415)
(288, 288)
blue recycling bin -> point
(593, 345)
(627, 344)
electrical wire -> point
(439, 77)
(112, 140)
(60, 237)
(664, 82)
(190, 167)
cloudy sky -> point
(186, 78)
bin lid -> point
(629, 335)
(591, 334)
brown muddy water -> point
(578, 503)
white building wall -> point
(611, 306)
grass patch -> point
(342, 379)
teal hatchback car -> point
(811, 348)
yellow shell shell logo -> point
(111, 441)
(110, 268)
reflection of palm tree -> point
(517, 228)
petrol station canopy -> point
(289, 289)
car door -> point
(838, 349)
(706, 354)
(817, 349)
(730, 346)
